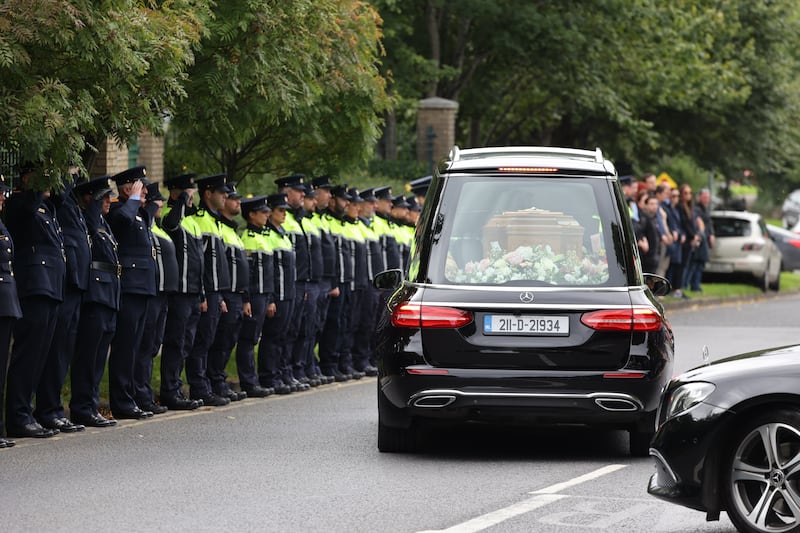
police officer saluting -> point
(98, 318)
(41, 267)
(130, 223)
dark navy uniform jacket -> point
(327, 246)
(238, 265)
(216, 274)
(359, 254)
(39, 259)
(262, 265)
(166, 262)
(301, 241)
(9, 303)
(131, 226)
(188, 241)
(283, 257)
(389, 243)
(104, 282)
(76, 237)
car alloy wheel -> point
(762, 489)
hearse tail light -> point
(409, 315)
(635, 319)
(527, 169)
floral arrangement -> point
(535, 263)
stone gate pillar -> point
(436, 129)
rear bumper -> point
(520, 397)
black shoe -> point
(33, 430)
(281, 387)
(353, 373)
(369, 370)
(326, 380)
(231, 395)
(154, 408)
(63, 425)
(5, 443)
(257, 391)
(299, 385)
(212, 400)
(179, 403)
(132, 414)
(338, 377)
(95, 420)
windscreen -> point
(526, 230)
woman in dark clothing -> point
(9, 305)
(689, 226)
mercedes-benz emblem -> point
(526, 297)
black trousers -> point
(364, 318)
(95, 330)
(154, 325)
(183, 315)
(249, 336)
(197, 362)
(32, 338)
(125, 350)
(6, 326)
(273, 351)
(302, 327)
(330, 342)
(227, 334)
(59, 357)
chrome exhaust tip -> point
(616, 404)
(434, 401)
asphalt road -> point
(308, 462)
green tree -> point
(77, 72)
(282, 86)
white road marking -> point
(542, 497)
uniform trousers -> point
(330, 345)
(219, 353)
(154, 326)
(249, 336)
(364, 330)
(125, 351)
(311, 362)
(302, 326)
(6, 326)
(183, 315)
(95, 330)
(197, 362)
(32, 337)
(273, 351)
(323, 303)
(62, 348)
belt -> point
(107, 267)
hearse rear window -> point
(525, 231)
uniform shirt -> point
(358, 253)
(374, 256)
(105, 270)
(237, 257)
(343, 247)
(216, 274)
(384, 228)
(297, 227)
(166, 261)
(131, 227)
(76, 237)
(283, 263)
(39, 260)
(259, 255)
(9, 303)
(327, 246)
(188, 241)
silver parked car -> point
(790, 213)
(789, 244)
(743, 246)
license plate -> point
(719, 267)
(525, 325)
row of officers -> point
(86, 280)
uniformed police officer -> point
(364, 338)
(130, 223)
(419, 188)
(216, 280)
(384, 227)
(98, 318)
(328, 287)
(275, 369)
(399, 214)
(255, 212)
(9, 303)
(183, 307)
(155, 323)
(49, 410)
(41, 267)
(237, 299)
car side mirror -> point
(658, 285)
(388, 280)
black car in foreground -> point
(728, 439)
(525, 303)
